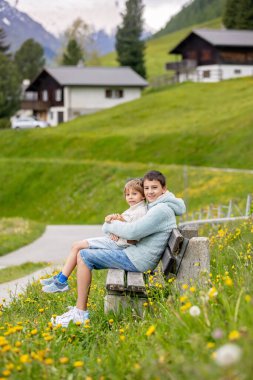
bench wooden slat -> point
(135, 282)
(168, 262)
(175, 240)
(115, 280)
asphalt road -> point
(53, 247)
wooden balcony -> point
(36, 105)
(181, 66)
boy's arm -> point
(147, 225)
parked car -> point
(27, 122)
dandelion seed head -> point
(228, 354)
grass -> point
(17, 271)
(16, 232)
(167, 343)
(60, 175)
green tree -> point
(238, 14)
(245, 14)
(29, 59)
(3, 46)
(73, 54)
(129, 46)
(230, 14)
(9, 87)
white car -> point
(27, 122)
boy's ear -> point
(164, 189)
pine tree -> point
(73, 54)
(245, 15)
(129, 46)
(238, 14)
(29, 59)
(9, 87)
(3, 46)
(231, 14)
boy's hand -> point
(114, 237)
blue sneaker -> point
(56, 287)
(48, 281)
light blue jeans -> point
(107, 258)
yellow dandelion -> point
(41, 310)
(122, 338)
(212, 292)
(6, 373)
(234, 335)
(150, 330)
(64, 360)
(185, 286)
(111, 321)
(247, 298)
(137, 366)
(192, 289)
(78, 364)
(48, 361)
(34, 332)
(185, 307)
(182, 299)
(210, 345)
(228, 281)
(99, 360)
(145, 304)
(25, 359)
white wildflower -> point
(228, 354)
(194, 311)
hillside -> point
(157, 49)
(192, 13)
(61, 175)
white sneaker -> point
(75, 315)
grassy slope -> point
(60, 175)
(157, 49)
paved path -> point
(53, 247)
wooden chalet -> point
(212, 55)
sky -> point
(57, 15)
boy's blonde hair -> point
(136, 184)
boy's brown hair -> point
(136, 184)
(155, 175)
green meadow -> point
(75, 173)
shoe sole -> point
(56, 291)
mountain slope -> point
(194, 12)
(18, 27)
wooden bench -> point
(184, 249)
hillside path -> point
(52, 247)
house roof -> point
(96, 76)
(222, 37)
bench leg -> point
(196, 263)
(115, 303)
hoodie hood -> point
(168, 198)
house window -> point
(44, 95)
(237, 71)
(206, 74)
(206, 55)
(58, 95)
(114, 94)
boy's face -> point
(133, 196)
(153, 190)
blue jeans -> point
(107, 258)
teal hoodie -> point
(151, 231)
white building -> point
(63, 93)
(210, 55)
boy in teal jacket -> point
(151, 233)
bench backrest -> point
(174, 252)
